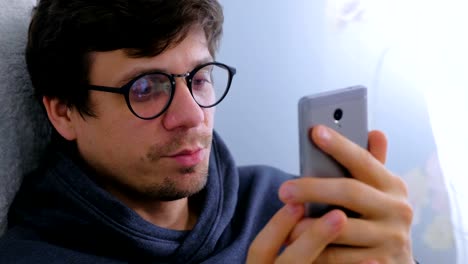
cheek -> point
(109, 136)
(95, 137)
(112, 148)
(114, 124)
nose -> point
(183, 112)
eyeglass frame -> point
(125, 89)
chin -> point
(186, 182)
(172, 190)
(164, 185)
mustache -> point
(176, 143)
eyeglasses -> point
(149, 95)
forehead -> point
(113, 67)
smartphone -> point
(344, 110)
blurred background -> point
(411, 54)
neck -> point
(177, 215)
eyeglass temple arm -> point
(104, 89)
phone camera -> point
(338, 114)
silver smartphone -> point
(344, 110)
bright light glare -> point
(446, 93)
(434, 32)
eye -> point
(141, 90)
(151, 87)
(202, 79)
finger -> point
(397, 253)
(337, 254)
(268, 242)
(359, 162)
(377, 145)
(310, 244)
(300, 228)
(363, 233)
(357, 232)
(345, 192)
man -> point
(136, 174)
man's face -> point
(160, 159)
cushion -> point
(24, 129)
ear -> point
(60, 115)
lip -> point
(189, 157)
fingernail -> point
(323, 133)
(288, 191)
(293, 209)
(333, 219)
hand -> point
(306, 246)
(382, 233)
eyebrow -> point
(137, 71)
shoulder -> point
(18, 246)
(29, 251)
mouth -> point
(189, 157)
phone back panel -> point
(319, 109)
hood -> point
(66, 208)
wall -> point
(284, 50)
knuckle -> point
(398, 239)
(401, 186)
(406, 213)
(401, 244)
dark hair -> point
(62, 34)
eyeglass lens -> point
(150, 94)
